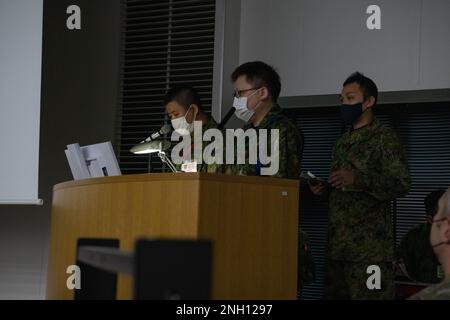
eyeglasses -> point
(430, 220)
(238, 93)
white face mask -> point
(181, 126)
(242, 111)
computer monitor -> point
(96, 160)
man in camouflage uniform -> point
(183, 107)
(415, 258)
(259, 86)
(440, 242)
(306, 266)
(368, 171)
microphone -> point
(221, 125)
(165, 129)
(226, 118)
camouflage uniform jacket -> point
(306, 268)
(440, 291)
(417, 254)
(360, 219)
(212, 168)
(290, 147)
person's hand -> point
(399, 265)
(341, 178)
(318, 189)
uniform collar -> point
(210, 123)
(275, 110)
(372, 125)
(363, 133)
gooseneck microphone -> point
(226, 118)
(165, 129)
(221, 126)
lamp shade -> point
(151, 147)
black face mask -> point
(350, 113)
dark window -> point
(164, 42)
(425, 133)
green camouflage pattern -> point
(346, 280)
(306, 267)
(290, 147)
(440, 291)
(291, 151)
(211, 168)
(360, 219)
(417, 255)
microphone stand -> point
(165, 159)
(226, 118)
(222, 125)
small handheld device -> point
(309, 177)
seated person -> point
(414, 257)
(257, 87)
(183, 107)
(440, 242)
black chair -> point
(162, 269)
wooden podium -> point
(252, 222)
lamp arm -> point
(162, 155)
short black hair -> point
(260, 74)
(432, 201)
(368, 87)
(184, 95)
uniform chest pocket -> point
(364, 158)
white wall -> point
(23, 252)
(80, 82)
(316, 44)
(20, 99)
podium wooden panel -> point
(252, 221)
